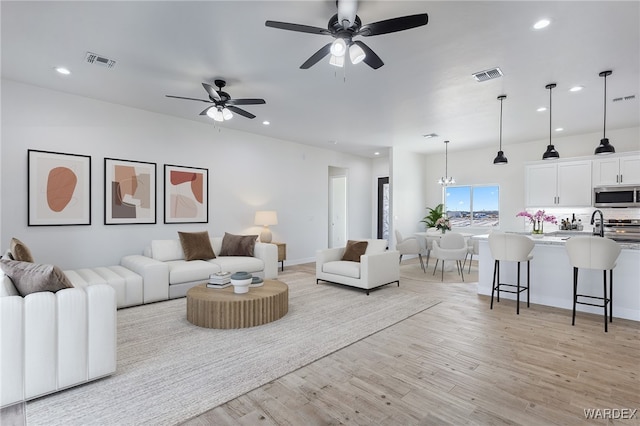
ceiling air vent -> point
(430, 135)
(92, 58)
(625, 98)
(487, 74)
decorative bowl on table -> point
(256, 282)
(241, 281)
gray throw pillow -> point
(30, 277)
(196, 245)
(238, 245)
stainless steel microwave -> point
(616, 196)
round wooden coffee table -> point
(222, 308)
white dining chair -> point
(451, 246)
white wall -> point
(476, 167)
(409, 188)
(247, 172)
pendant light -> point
(446, 180)
(550, 153)
(500, 158)
(605, 147)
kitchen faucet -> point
(593, 215)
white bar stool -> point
(510, 248)
(593, 252)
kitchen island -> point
(552, 277)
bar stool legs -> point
(606, 300)
(519, 288)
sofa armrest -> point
(155, 276)
(268, 253)
(380, 268)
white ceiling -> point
(426, 85)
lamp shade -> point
(227, 114)
(356, 54)
(266, 217)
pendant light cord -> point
(501, 99)
(550, 89)
(604, 123)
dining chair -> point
(409, 246)
(451, 246)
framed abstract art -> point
(186, 194)
(59, 188)
(129, 192)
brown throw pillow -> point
(31, 277)
(196, 245)
(20, 251)
(238, 245)
(354, 250)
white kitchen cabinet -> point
(558, 184)
(616, 170)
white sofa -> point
(52, 341)
(377, 267)
(167, 275)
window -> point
(474, 205)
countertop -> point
(558, 238)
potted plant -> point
(431, 219)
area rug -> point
(169, 370)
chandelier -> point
(446, 179)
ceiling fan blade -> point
(211, 91)
(371, 58)
(324, 51)
(241, 111)
(393, 25)
(246, 101)
(206, 110)
(297, 27)
(189, 99)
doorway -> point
(337, 207)
(383, 208)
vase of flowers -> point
(443, 224)
(537, 220)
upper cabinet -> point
(558, 184)
(617, 170)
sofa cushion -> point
(181, 271)
(342, 268)
(354, 250)
(6, 286)
(196, 245)
(238, 245)
(20, 251)
(166, 250)
(239, 263)
(30, 277)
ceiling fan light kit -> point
(605, 147)
(500, 158)
(550, 153)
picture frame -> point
(130, 189)
(59, 188)
(186, 194)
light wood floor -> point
(458, 363)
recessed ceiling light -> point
(266, 122)
(543, 23)
(559, 129)
(541, 109)
(576, 88)
(376, 153)
(63, 70)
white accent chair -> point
(409, 246)
(510, 248)
(377, 267)
(593, 252)
(450, 247)
(473, 248)
(53, 341)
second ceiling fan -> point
(345, 25)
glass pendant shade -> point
(337, 61)
(550, 153)
(226, 114)
(500, 158)
(605, 147)
(338, 47)
(216, 114)
(356, 54)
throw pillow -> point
(238, 245)
(196, 245)
(354, 250)
(31, 277)
(20, 251)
